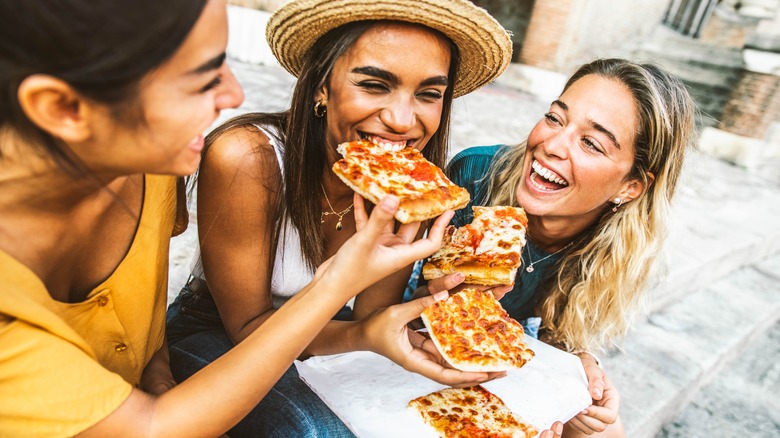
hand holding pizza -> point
(379, 249)
(385, 332)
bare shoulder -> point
(244, 149)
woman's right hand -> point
(376, 250)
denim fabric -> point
(196, 337)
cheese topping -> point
(474, 333)
(470, 412)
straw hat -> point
(485, 47)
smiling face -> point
(178, 102)
(580, 154)
(388, 87)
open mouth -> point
(388, 145)
(545, 179)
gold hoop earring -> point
(320, 109)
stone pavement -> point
(704, 362)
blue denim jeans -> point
(196, 337)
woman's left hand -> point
(606, 400)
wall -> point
(563, 34)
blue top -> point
(469, 169)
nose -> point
(230, 94)
(399, 115)
(558, 143)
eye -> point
(214, 83)
(591, 145)
(373, 86)
(552, 118)
(430, 95)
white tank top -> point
(290, 272)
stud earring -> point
(618, 202)
(320, 109)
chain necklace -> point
(530, 267)
(332, 211)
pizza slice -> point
(470, 412)
(486, 251)
(374, 171)
(474, 333)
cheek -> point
(430, 117)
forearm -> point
(336, 337)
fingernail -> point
(559, 428)
(440, 296)
(459, 276)
(597, 392)
(389, 203)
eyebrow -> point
(391, 77)
(595, 125)
(212, 64)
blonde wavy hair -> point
(601, 280)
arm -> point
(237, 191)
(215, 398)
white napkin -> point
(370, 393)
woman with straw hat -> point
(270, 209)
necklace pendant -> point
(530, 269)
(338, 225)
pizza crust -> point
(477, 275)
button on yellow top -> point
(102, 301)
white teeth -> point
(547, 174)
(391, 146)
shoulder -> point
(245, 149)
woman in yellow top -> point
(95, 105)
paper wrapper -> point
(370, 393)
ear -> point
(321, 95)
(634, 188)
(55, 107)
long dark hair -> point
(102, 48)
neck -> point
(552, 234)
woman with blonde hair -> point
(596, 177)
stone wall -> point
(563, 34)
(754, 105)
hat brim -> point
(485, 46)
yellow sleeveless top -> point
(66, 366)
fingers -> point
(436, 232)
(500, 291)
(595, 381)
(361, 215)
(414, 308)
(445, 283)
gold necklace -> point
(332, 211)
(530, 267)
